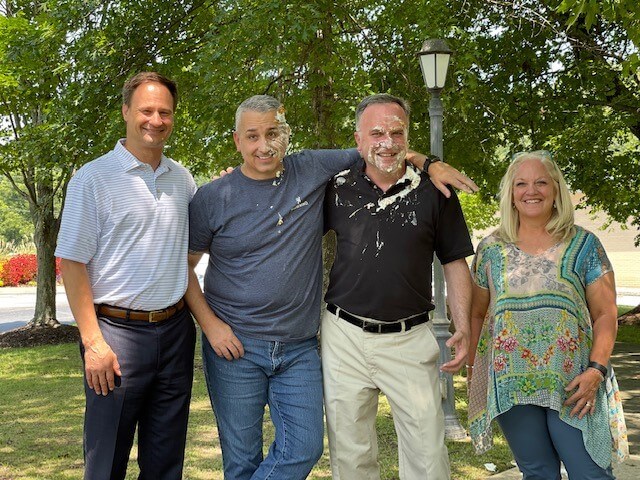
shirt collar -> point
(128, 161)
(411, 172)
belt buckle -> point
(155, 312)
(371, 327)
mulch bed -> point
(33, 336)
(632, 317)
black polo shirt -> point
(386, 241)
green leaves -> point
(561, 74)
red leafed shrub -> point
(19, 269)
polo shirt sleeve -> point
(200, 232)
(452, 235)
(79, 230)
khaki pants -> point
(357, 366)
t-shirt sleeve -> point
(452, 235)
(596, 262)
(78, 235)
(328, 162)
(200, 232)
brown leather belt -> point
(141, 315)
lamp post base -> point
(452, 428)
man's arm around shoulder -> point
(442, 174)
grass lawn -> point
(42, 401)
(628, 333)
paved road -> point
(17, 305)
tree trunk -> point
(45, 234)
(325, 128)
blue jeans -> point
(539, 440)
(287, 377)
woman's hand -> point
(586, 388)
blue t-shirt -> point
(264, 239)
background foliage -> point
(527, 74)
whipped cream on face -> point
(380, 153)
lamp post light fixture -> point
(434, 62)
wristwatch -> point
(429, 160)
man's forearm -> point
(80, 297)
(418, 160)
(196, 300)
(459, 284)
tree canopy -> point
(526, 74)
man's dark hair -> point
(381, 98)
(147, 77)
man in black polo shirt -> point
(389, 220)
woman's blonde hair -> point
(560, 225)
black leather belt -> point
(373, 327)
(141, 315)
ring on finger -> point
(588, 404)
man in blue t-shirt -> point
(262, 228)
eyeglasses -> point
(536, 153)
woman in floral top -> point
(543, 325)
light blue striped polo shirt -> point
(129, 225)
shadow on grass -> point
(42, 405)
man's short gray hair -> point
(257, 103)
(381, 98)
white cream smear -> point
(280, 144)
(299, 203)
(381, 151)
(411, 175)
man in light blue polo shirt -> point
(123, 244)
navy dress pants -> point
(156, 360)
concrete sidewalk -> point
(626, 363)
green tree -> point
(62, 64)
(557, 74)
(30, 153)
(15, 223)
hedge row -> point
(21, 269)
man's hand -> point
(100, 367)
(223, 340)
(222, 173)
(443, 174)
(460, 342)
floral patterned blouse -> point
(537, 337)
